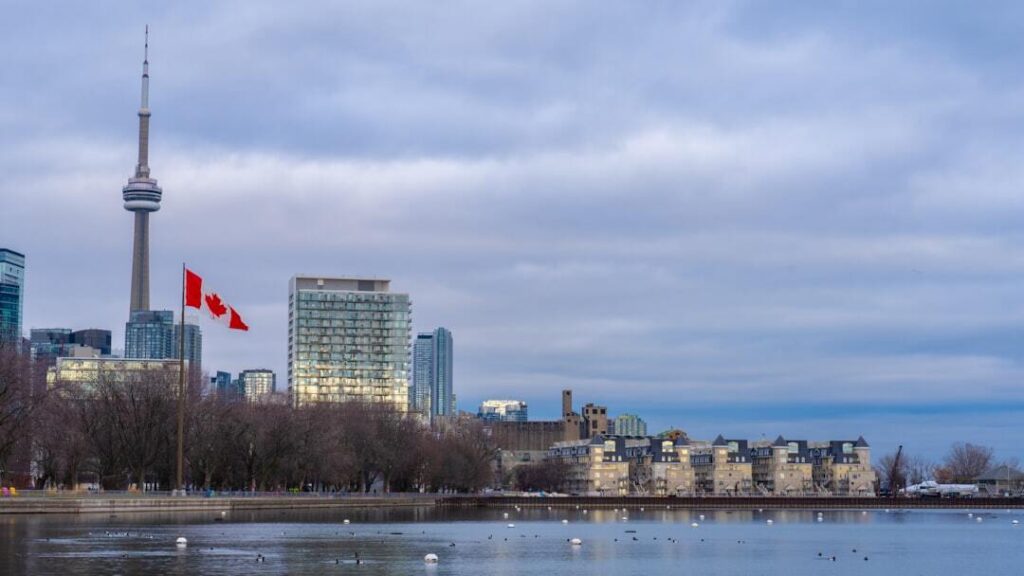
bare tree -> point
(964, 463)
(15, 402)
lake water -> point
(471, 542)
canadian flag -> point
(200, 297)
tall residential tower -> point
(348, 339)
(12, 294)
(142, 196)
(432, 374)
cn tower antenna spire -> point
(141, 197)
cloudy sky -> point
(729, 217)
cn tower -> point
(142, 196)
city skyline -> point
(788, 242)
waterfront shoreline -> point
(730, 502)
(99, 504)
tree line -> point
(961, 465)
(120, 432)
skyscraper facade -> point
(432, 374)
(222, 385)
(193, 344)
(149, 335)
(153, 334)
(48, 344)
(93, 338)
(348, 339)
(12, 294)
(142, 196)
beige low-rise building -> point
(843, 468)
(596, 467)
(783, 467)
(672, 472)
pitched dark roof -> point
(597, 440)
(682, 441)
(720, 441)
(861, 443)
(780, 441)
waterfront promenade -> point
(730, 502)
(123, 503)
(126, 503)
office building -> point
(348, 339)
(12, 294)
(85, 373)
(503, 411)
(257, 385)
(627, 425)
(93, 338)
(432, 374)
(221, 384)
(48, 344)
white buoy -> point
(694, 525)
(625, 518)
(549, 507)
(505, 515)
(701, 516)
(223, 512)
(1015, 522)
(181, 542)
(511, 525)
(863, 512)
(565, 521)
(430, 559)
(576, 542)
(978, 519)
(970, 514)
(820, 519)
(769, 521)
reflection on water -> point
(394, 541)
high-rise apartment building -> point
(149, 335)
(153, 334)
(348, 339)
(432, 374)
(257, 384)
(12, 294)
(503, 411)
(628, 425)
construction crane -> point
(896, 479)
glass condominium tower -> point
(12, 294)
(432, 374)
(348, 339)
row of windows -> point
(325, 296)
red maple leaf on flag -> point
(216, 306)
